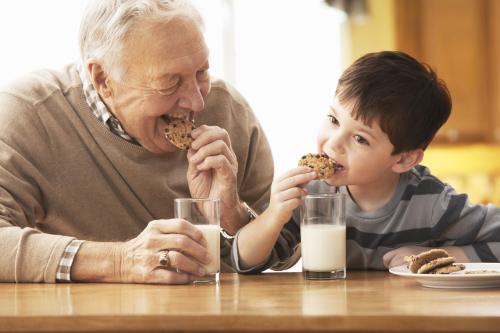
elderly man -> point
(87, 174)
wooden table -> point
(275, 302)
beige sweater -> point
(64, 175)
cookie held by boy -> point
(322, 164)
(178, 132)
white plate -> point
(458, 279)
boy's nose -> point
(336, 143)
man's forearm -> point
(97, 262)
(234, 218)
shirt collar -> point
(99, 109)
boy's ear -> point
(408, 160)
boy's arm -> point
(469, 232)
(284, 253)
(256, 241)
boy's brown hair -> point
(404, 95)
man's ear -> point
(99, 78)
(408, 160)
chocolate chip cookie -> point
(178, 132)
(322, 164)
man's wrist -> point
(97, 262)
(244, 213)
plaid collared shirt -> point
(100, 110)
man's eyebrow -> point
(167, 76)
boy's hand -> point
(286, 192)
(396, 257)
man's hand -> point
(212, 173)
(396, 257)
(138, 260)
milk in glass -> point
(211, 233)
(323, 247)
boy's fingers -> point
(293, 172)
(295, 181)
(292, 193)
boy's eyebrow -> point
(365, 130)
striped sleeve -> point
(474, 227)
(285, 254)
(63, 273)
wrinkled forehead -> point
(173, 45)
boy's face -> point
(364, 152)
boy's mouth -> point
(338, 167)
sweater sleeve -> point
(285, 253)
(28, 255)
(474, 227)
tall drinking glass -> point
(204, 214)
(323, 236)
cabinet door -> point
(494, 42)
(451, 36)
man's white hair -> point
(106, 23)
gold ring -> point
(164, 258)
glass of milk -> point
(323, 236)
(205, 215)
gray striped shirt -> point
(424, 211)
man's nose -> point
(191, 97)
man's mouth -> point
(188, 116)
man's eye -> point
(333, 120)
(167, 91)
(202, 75)
(361, 140)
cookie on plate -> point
(178, 132)
(416, 261)
(322, 164)
(447, 269)
(436, 263)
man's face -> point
(165, 75)
(363, 151)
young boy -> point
(386, 110)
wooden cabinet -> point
(461, 40)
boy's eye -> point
(361, 140)
(333, 120)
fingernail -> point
(201, 271)
(208, 258)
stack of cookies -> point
(435, 261)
